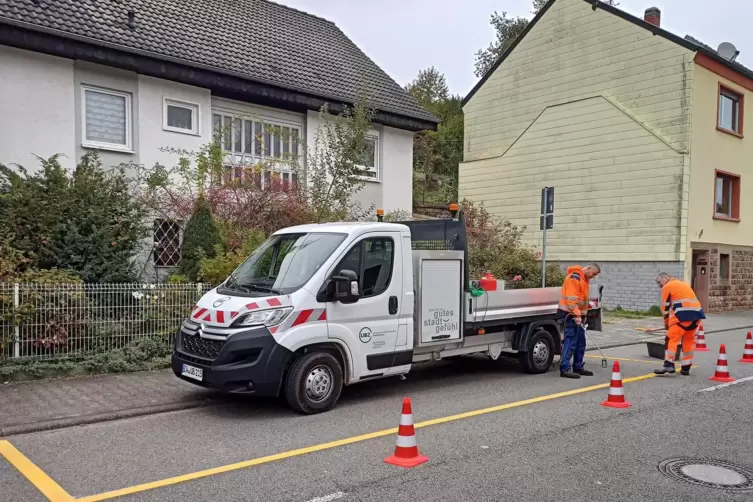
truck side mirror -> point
(601, 288)
(346, 286)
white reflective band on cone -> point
(720, 369)
(617, 391)
(406, 420)
(748, 352)
(616, 376)
(406, 441)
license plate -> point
(192, 372)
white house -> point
(129, 78)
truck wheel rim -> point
(540, 353)
(319, 383)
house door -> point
(700, 277)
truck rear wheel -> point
(314, 383)
(540, 354)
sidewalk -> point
(52, 404)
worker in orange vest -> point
(682, 312)
(573, 308)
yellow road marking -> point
(626, 359)
(34, 474)
(341, 442)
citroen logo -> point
(220, 301)
(200, 331)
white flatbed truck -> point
(316, 307)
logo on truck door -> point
(365, 335)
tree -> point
(199, 239)
(429, 87)
(334, 171)
(86, 222)
(507, 29)
(437, 154)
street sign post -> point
(546, 222)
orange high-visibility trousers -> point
(675, 335)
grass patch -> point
(653, 312)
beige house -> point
(640, 131)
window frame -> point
(735, 182)
(361, 262)
(156, 223)
(377, 178)
(239, 165)
(195, 116)
(740, 97)
(115, 147)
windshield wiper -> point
(233, 283)
(262, 288)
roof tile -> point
(257, 39)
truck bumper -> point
(249, 362)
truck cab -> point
(316, 307)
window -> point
(166, 243)
(724, 268)
(181, 117)
(284, 263)
(727, 196)
(371, 260)
(247, 142)
(369, 166)
(730, 111)
(106, 119)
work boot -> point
(685, 371)
(669, 367)
(569, 374)
(584, 372)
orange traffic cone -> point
(616, 397)
(406, 450)
(700, 343)
(722, 371)
(748, 352)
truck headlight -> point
(271, 317)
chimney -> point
(653, 16)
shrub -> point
(86, 221)
(495, 246)
(200, 239)
(217, 269)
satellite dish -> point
(727, 51)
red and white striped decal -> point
(299, 317)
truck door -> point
(370, 325)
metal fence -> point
(46, 321)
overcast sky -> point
(404, 36)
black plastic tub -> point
(656, 350)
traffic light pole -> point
(543, 262)
(546, 222)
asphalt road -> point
(534, 443)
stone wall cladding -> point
(737, 293)
(631, 285)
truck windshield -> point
(283, 263)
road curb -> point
(93, 418)
(639, 342)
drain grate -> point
(716, 474)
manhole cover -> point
(709, 473)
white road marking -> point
(328, 498)
(723, 385)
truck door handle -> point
(393, 305)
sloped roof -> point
(259, 40)
(688, 42)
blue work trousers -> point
(574, 344)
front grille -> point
(201, 347)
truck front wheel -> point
(540, 354)
(314, 383)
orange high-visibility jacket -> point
(574, 297)
(679, 303)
